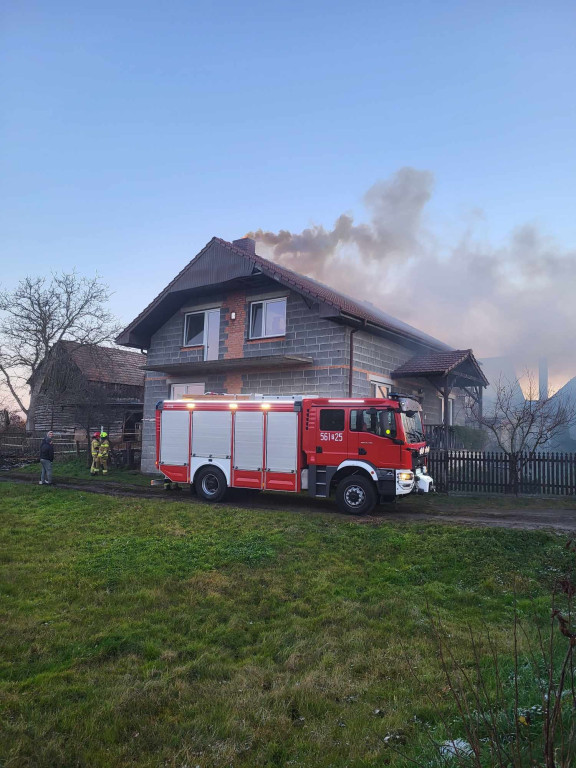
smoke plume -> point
(516, 300)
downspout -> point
(351, 365)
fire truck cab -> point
(362, 451)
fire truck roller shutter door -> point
(248, 440)
(281, 442)
(211, 441)
(281, 466)
(212, 434)
(248, 456)
(174, 438)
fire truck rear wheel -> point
(356, 495)
(210, 484)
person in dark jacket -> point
(46, 459)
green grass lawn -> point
(78, 469)
(139, 633)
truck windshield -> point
(412, 428)
(377, 421)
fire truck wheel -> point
(356, 495)
(210, 484)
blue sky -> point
(132, 132)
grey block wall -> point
(380, 356)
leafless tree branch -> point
(39, 313)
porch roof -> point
(459, 364)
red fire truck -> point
(361, 450)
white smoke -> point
(516, 301)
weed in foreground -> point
(516, 711)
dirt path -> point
(551, 515)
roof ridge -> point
(314, 289)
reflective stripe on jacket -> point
(104, 449)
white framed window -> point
(380, 386)
(268, 318)
(203, 329)
(179, 390)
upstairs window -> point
(203, 329)
(268, 318)
(194, 330)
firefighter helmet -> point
(103, 434)
(96, 434)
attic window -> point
(268, 318)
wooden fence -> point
(21, 446)
(26, 446)
(491, 472)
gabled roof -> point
(107, 365)
(460, 362)
(220, 262)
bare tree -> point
(40, 313)
(521, 424)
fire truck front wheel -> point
(356, 495)
(210, 484)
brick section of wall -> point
(235, 330)
(233, 384)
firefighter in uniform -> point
(104, 452)
(95, 449)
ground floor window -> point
(179, 390)
(380, 386)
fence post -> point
(513, 479)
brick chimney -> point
(247, 244)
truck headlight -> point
(405, 476)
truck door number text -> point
(335, 437)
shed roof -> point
(221, 261)
(107, 365)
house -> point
(234, 322)
(81, 387)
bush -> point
(470, 438)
